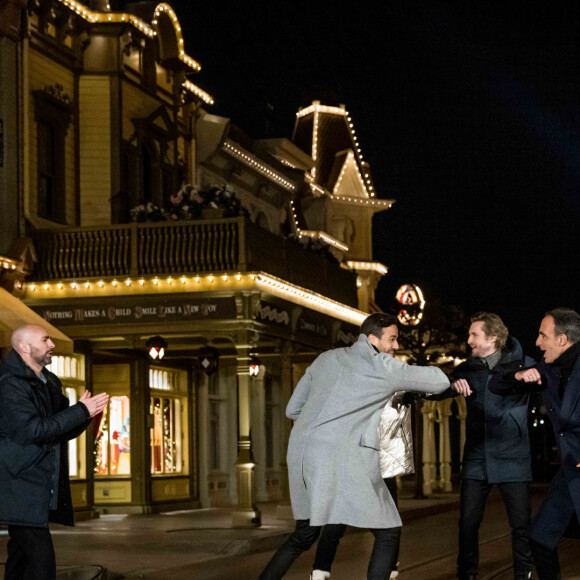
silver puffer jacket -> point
(396, 438)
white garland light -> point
(248, 159)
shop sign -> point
(346, 335)
(273, 314)
(312, 325)
(107, 312)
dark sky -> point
(468, 114)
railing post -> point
(134, 251)
(242, 250)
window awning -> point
(14, 313)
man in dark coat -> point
(559, 376)
(35, 424)
(497, 449)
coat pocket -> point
(370, 441)
(20, 459)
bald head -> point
(34, 345)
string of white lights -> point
(202, 283)
(250, 160)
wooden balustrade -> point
(191, 247)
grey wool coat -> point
(333, 452)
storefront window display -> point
(167, 434)
(113, 439)
(70, 370)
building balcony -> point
(234, 245)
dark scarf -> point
(564, 365)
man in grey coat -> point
(333, 452)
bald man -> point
(36, 422)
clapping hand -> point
(96, 404)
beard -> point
(41, 358)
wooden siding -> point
(95, 150)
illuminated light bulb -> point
(170, 280)
(73, 285)
(238, 277)
(224, 278)
(197, 279)
(155, 280)
(141, 281)
(210, 278)
(87, 284)
(33, 287)
(183, 279)
(59, 286)
(101, 284)
(128, 282)
(114, 283)
(45, 286)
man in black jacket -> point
(497, 449)
(559, 377)
(36, 423)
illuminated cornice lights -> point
(144, 27)
(368, 266)
(315, 138)
(316, 107)
(205, 97)
(304, 297)
(315, 235)
(140, 285)
(211, 282)
(8, 263)
(350, 161)
(169, 11)
(251, 161)
(295, 217)
(316, 189)
(377, 203)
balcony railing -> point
(176, 248)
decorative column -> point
(462, 416)
(257, 414)
(140, 439)
(429, 455)
(284, 509)
(246, 515)
(443, 414)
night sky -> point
(468, 114)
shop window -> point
(71, 371)
(168, 434)
(113, 438)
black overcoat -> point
(563, 498)
(36, 423)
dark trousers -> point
(546, 561)
(332, 534)
(516, 498)
(30, 554)
(383, 557)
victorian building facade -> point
(103, 132)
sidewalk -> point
(169, 544)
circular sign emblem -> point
(411, 304)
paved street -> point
(201, 545)
(428, 552)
